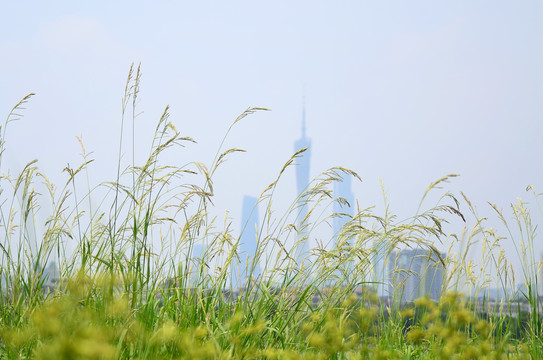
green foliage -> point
(134, 287)
(72, 326)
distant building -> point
(342, 214)
(540, 274)
(342, 189)
(383, 271)
(407, 275)
(302, 182)
(51, 276)
(195, 265)
(248, 242)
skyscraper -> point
(302, 182)
(247, 247)
(342, 189)
(51, 276)
(383, 267)
(415, 273)
(195, 265)
(342, 214)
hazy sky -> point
(405, 91)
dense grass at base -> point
(135, 288)
(84, 322)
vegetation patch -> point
(135, 286)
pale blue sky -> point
(406, 91)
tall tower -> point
(302, 182)
(247, 247)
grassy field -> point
(135, 287)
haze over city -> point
(405, 92)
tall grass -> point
(136, 286)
